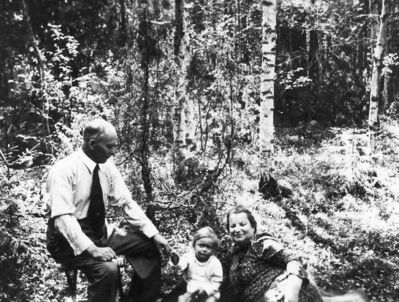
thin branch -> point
(7, 164)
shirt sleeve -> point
(60, 192)
(71, 230)
(60, 203)
(216, 279)
(120, 196)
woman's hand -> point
(293, 286)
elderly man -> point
(80, 187)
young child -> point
(202, 271)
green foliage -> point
(24, 261)
(391, 62)
(323, 63)
(38, 99)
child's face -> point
(203, 249)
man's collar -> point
(90, 164)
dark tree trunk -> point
(143, 149)
(144, 152)
(313, 60)
(40, 62)
(123, 32)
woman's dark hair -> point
(241, 209)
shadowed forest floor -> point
(343, 214)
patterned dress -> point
(256, 267)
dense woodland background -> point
(290, 107)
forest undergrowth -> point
(342, 214)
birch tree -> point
(266, 126)
(267, 184)
(375, 85)
(374, 17)
(183, 121)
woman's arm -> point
(293, 286)
(296, 274)
(275, 252)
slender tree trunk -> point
(308, 59)
(143, 148)
(266, 122)
(123, 31)
(33, 41)
(314, 64)
(144, 152)
(4, 86)
(392, 47)
(374, 25)
(266, 127)
(395, 47)
(189, 110)
(238, 39)
(40, 63)
(313, 71)
(375, 86)
(184, 108)
(362, 46)
(387, 91)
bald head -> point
(97, 128)
(99, 140)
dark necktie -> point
(96, 211)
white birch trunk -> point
(266, 123)
(190, 125)
(374, 26)
(375, 86)
(184, 110)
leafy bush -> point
(24, 261)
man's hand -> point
(162, 245)
(101, 253)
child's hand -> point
(200, 295)
(174, 258)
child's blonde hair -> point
(206, 232)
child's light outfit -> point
(205, 276)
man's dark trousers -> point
(103, 277)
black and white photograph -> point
(199, 151)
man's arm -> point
(120, 196)
(71, 230)
(162, 244)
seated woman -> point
(261, 270)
